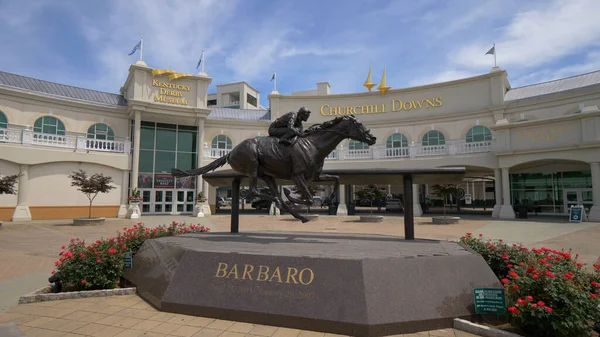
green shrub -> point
(549, 293)
(100, 265)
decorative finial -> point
(368, 84)
(382, 86)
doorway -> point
(167, 201)
(578, 196)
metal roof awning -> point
(447, 175)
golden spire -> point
(382, 86)
(368, 84)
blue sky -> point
(85, 43)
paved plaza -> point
(28, 252)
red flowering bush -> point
(100, 265)
(548, 291)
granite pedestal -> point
(360, 285)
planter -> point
(134, 211)
(445, 220)
(88, 221)
(46, 294)
(371, 218)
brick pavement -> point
(129, 316)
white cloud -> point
(444, 76)
(316, 51)
(592, 63)
(174, 33)
(538, 36)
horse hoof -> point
(304, 220)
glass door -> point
(587, 200)
(146, 201)
(162, 202)
(578, 196)
(185, 201)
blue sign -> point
(576, 214)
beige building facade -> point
(537, 145)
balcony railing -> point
(215, 153)
(82, 143)
(457, 147)
(412, 151)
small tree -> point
(444, 191)
(371, 192)
(91, 186)
(7, 184)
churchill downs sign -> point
(395, 106)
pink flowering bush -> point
(99, 265)
(549, 293)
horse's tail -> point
(199, 171)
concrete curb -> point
(43, 294)
(481, 330)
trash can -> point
(351, 209)
(522, 212)
(332, 209)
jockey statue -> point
(289, 126)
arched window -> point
(100, 131)
(434, 137)
(396, 146)
(479, 134)
(221, 142)
(397, 140)
(356, 145)
(50, 125)
(3, 121)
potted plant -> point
(135, 196)
(200, 198)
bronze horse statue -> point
(302, 162)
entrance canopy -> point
(446, 175)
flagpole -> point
(142, 48)
(495, 56)
(274, 81)
(202, 60)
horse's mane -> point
(327, 124)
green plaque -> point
(489, 301)
(128, 260)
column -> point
(212, 198)
(201, 185)
(201, 209)
(417, 210)
(595, 210)
(342, 208)
(22, 212)
(136, 150)
(507, 211)
(409, 220)
(484, 193)
(124, 195)
(497, 193)
(473, 193)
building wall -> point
(53, 197)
